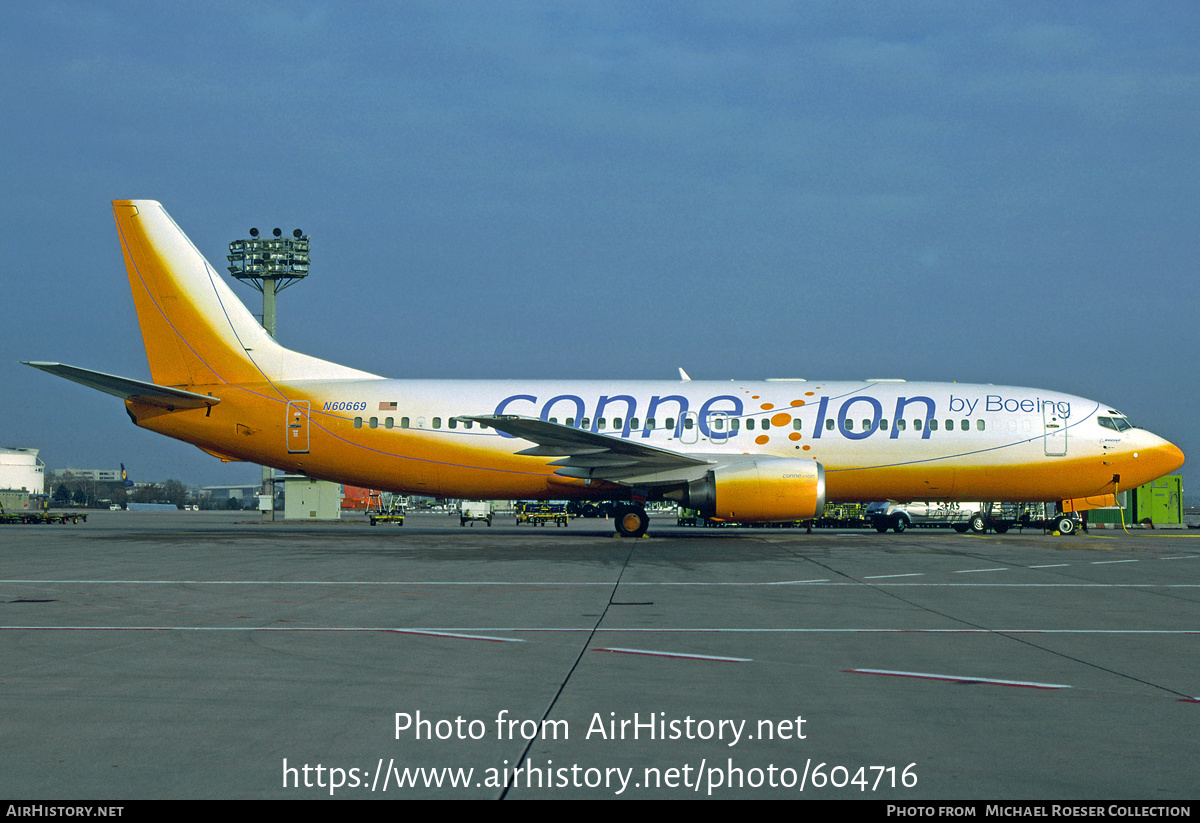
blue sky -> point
(972, 191)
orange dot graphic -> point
(797, 403)
(781, 419)
(806, 448)
(767, 406)
(809, 394)
(794, 436)
(761, 439)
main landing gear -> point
(631, 520)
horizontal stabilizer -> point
(127, 389)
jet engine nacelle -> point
(765, 490)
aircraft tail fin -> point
(195, 329)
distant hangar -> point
(22, 470)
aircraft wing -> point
(127, 389)
(592, 456)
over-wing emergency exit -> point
(747, 451)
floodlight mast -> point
(269, 265)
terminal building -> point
(91, 475)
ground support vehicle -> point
(391, 516)
(691, 517)
(32, 517)
(471, 510)
(585, 508)
(843, 516)
(539, 514)
(977, 518)
(1000, 517)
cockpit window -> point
(1118, 424)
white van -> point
(471, 510)
(899, 516)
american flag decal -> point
(387, 406)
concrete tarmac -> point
(204, 655)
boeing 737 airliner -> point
(744, 451)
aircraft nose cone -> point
(1147, 457)
(1170, 455)
(1158, 458)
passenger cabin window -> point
(404, 422)
(437, 422)
(917, 424)
(965, 425)
(358, 422)
(688, 422)
(766, 423)
(829, 424)
(571, 422)
(389, 422)
(979, 425)
(750, 424)
(882, 425)
(796, 423)
(902, 424)
(933, 425)
(373, 422)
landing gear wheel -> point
(1065, 525)
(978, 524)
(899, 524)
(631, 521)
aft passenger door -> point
(297, 426)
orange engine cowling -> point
(761, 491)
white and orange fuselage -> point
(245, 397)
